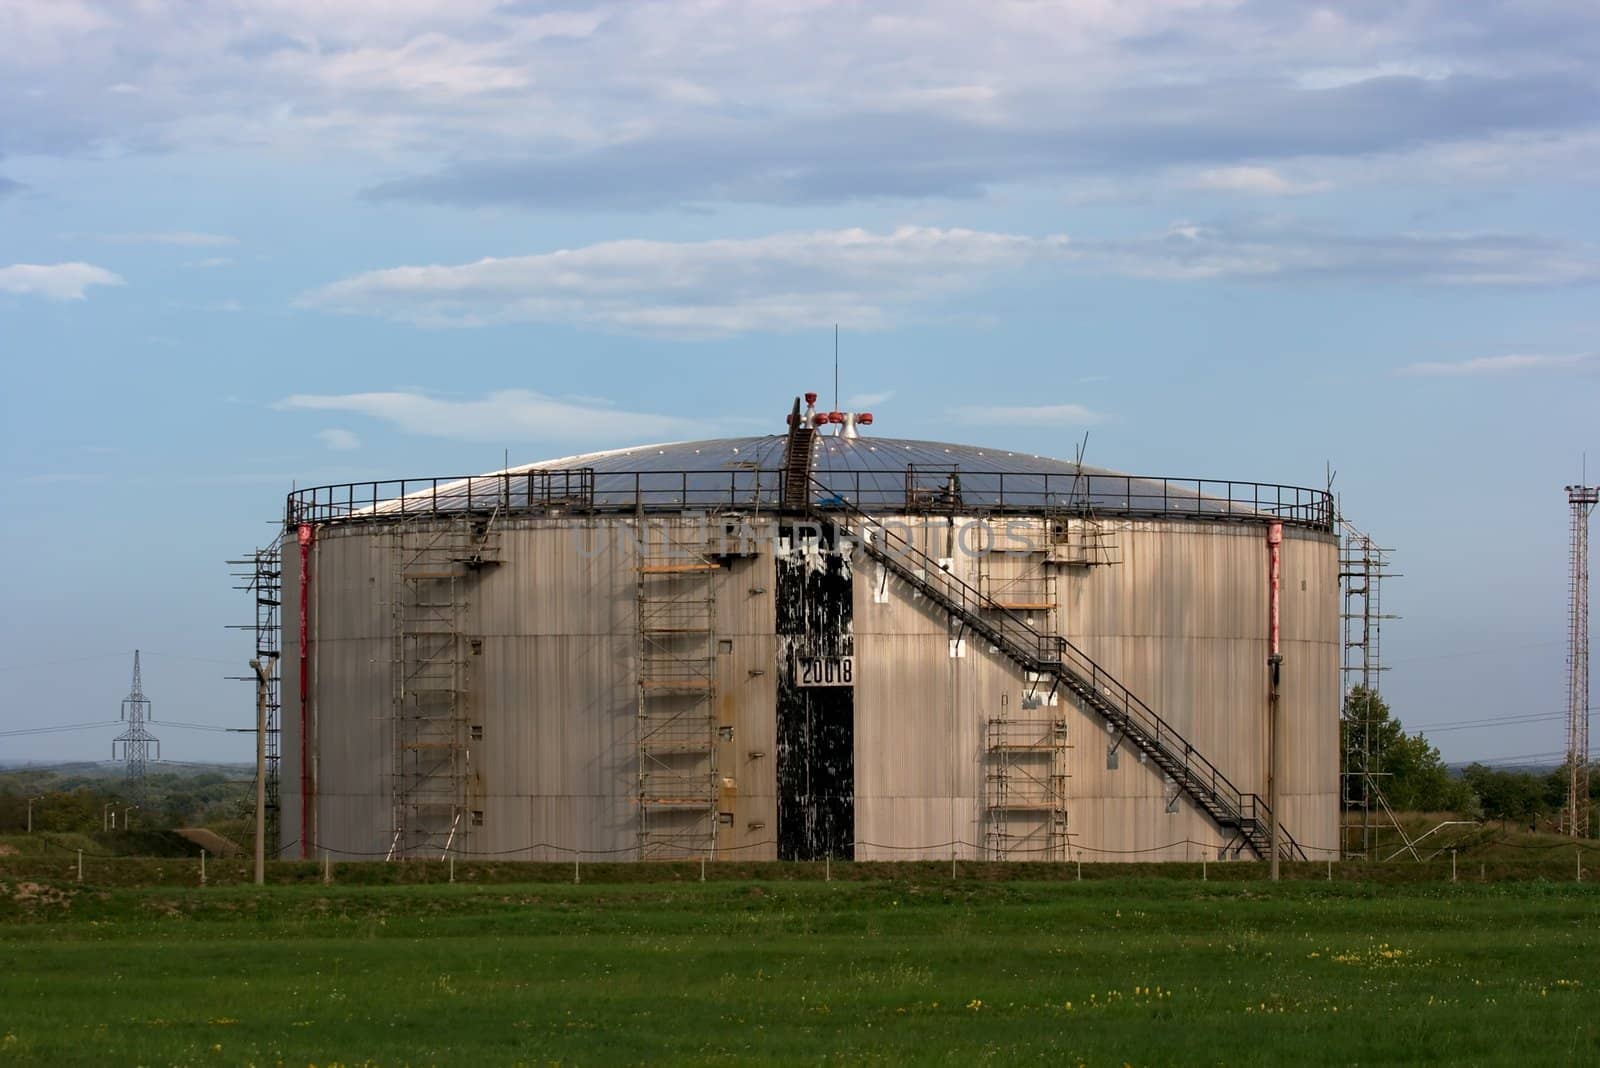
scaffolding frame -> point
(1083, 540)
(1363, 565)
(1030, 587)
(436, 568)
(261, 575)
(1071, 539)
(1078, 538)
(1025, 787)
(677, 731)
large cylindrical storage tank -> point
(800, 645)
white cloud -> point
(1279, 250)
(1514, 363)
(502, 416)
(65, 477)
(339, 440)
(858, 402)
(867, 280)
(430, 63)
(1236, 88)
(58, 281)
(1253, 180)
(183, 238)
(1029, 415)
(786, 281)
(870, 280)
(211, 263)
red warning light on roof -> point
(865, 418)
(811, 398)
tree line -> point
(83, 801)
(1414, 778)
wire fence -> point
(955, 859)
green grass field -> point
(915, 969)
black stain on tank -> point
(816, 724)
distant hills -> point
(115, 769)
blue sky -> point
(249, 244)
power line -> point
(60, 663)
(1494, 721)
(200, 764)
(1559, 754)
(206, 727)
(31, 664)
(58, 729)
(1497, 652)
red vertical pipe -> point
(1274, 668)
(307, 535)
(1274, 541)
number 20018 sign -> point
(825, 671)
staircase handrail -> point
(1055, 654)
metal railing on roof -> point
(582, 490)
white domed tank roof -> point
(892, 474)
(883, 475)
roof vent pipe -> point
(848, 428)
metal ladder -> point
(1054, 657)
(677, 732)
(797, 463)
(435, 570)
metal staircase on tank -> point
(797, 462)
(436, 567)
(677, 787)
(1246, 815)
(1025, 780)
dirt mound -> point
(212, 842)
(31, 895)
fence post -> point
(80, 865)
(202, 867)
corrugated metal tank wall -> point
(1181, 620)
(552, 684)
